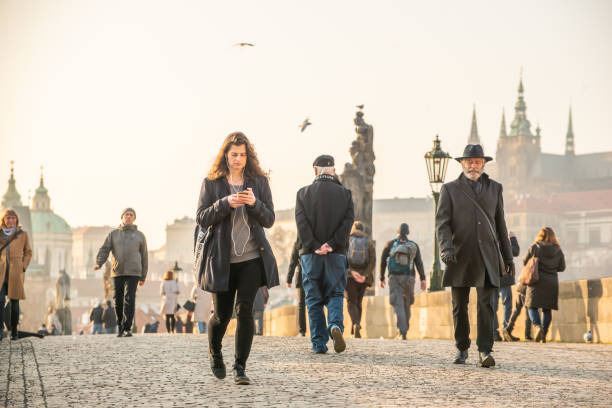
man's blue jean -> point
(97, 328)
(324, 281)
(202, 327)
(534, 315)
(506, 298)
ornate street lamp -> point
(176, 269)
(436, 161)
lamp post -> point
(436, 161)
(176, 269)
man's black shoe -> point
(127, 334)
(217, 366)
(120, 334)
(486, 359)
(240, 377)
(357, 331)
(496, 336)
(461, 356)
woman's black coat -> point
(214, 209)
(545, 292)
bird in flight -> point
(360, 106)
(304, 125)
(244, 44)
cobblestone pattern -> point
(173, 371)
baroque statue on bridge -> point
(358, 176)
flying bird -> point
(304, 125)
(360, 106)
(244, 44)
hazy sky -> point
(125, 103)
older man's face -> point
(473, 168)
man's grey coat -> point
(463, 230)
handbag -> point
(530, 274)
(189, 305)
(201, 253)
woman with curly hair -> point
(544, 294)
(235, 206)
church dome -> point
(47, 221)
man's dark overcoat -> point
(463, 230)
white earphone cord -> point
(243, 218)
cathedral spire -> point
(474, 138)
(569, 138)
(11, 198)
(502, 129)
(41, 201)
(520, 126)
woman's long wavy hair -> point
(548, 235)
(220, 168)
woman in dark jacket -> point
(235, 205)
(544, 294)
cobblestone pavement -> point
(163, 370)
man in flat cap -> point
(129, 267)
(324, 215)
(474, 246)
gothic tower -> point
(474, 138)
(517, 152)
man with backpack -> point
(360, 276)
(402, 256)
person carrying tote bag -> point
(235, 206)
(544, 293)
(530, 274)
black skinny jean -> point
(125, 300)
(244, 281)
(170, 323)
(14, 310)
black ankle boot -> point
(357, 330)
(217, 365)
(240, 377)
(14, 333)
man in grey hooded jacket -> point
(129, 267)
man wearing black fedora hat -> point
(324, 215)
(474, 245)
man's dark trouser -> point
(301, 310)
(354, 296)
(125, 300)
(244, 281)
(484, 338)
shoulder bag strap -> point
(10, 240)
(483, 213)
